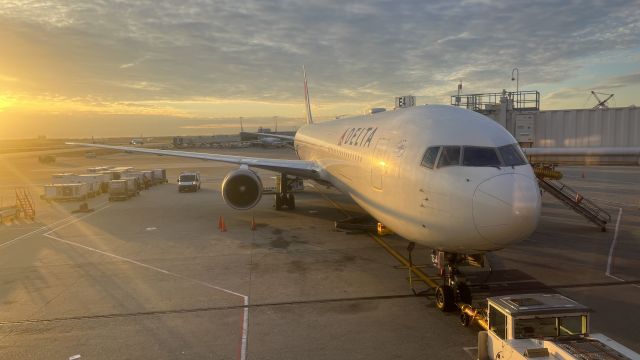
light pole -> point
(516, 78)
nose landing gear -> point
(454, 289)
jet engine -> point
(242, 189)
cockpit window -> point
(450, 155)
(480, 156)
(429, 158)
(511, 156)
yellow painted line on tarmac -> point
(403, 260)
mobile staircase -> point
(576, 201)
(24, 204)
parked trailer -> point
(132, 185)
(160, 176)
(65, 192)
(93, 181)
(148, 178)
(138, 175)
(98, 183)
(118, 190)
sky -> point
(130, 68)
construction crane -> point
(602, 104)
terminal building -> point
(519, 112)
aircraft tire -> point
(463, 293)
(279, 201)
(445, 298)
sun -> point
(6, 102)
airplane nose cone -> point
(506, 208)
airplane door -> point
(379, 163)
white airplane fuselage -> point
(376, 160)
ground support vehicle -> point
(189, 181)
(544, 326)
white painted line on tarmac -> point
(77, 219)
(613, 243)
(472, 351)
(245, 298)
(44, 227)
(611, 249)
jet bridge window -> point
(430, 156)
(480, 156)
(450, 155)
(511, 155)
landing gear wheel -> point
(445, 298)
(463, 294)
(291, 202)
(279, 202)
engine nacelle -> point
(242, 189)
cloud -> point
(354, 52)
(620, 81)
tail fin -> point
(307, 101)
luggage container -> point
(160, 176)
(148, 178)
(132, 185)
(96, 183)
(118, 190)
(93, 181)
(138, 175)
(65, 192)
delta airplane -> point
(441, 176)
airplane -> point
(441, 176)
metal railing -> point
(519, 100)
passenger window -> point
(480, 156)
(429, 158)
(498, 323)
(511, 156)
(450, 155)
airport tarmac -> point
(153, 277)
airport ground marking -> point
(46, 227)
(245, 298)
(612, 249)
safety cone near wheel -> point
(221, 226)
(253, 223)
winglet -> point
(307, 101)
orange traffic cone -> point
(253, 223)
(221, 226)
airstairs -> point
(576, 201)
(24, 204)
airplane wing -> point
(585, 155)
(278, 136)
(302, 168)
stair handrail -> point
(583, 202)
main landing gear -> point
(284, 197)
(454, 289)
